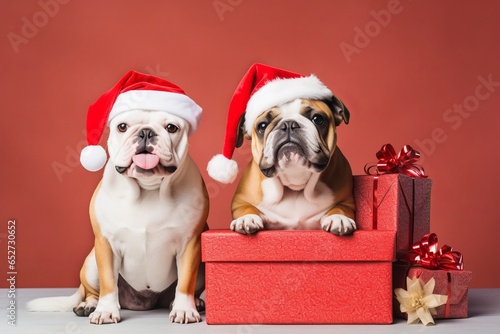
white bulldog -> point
(147, 215)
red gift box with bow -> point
(394, 196)
(425, 261)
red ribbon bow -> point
(427, 254)
(391, 163)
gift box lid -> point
(297, 245)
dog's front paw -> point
(106, 312)
(105, 316)
(184, 310)
(338, 224)
(184, 316)
(247, 224)
(84, 309)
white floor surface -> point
(484, 317)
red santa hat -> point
(261, 88)
(134, 91)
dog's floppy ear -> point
(339, 110)
(240, 134)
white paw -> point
(104, 316)
(338, 224)
(184, 310)
(247, 224)
(107, 310)
(184, 316)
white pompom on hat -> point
(260, 89)
(134, 91)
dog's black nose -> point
(146, 133)
(289, 125)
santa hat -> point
(134, 91)
(261, 88)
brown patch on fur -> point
(103, 253)
(190, 258)
(248, 194)
(321, 107)
(338, 176)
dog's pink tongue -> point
(146, 161)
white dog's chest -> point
(295, 211)
(148, 257)
(145, 239)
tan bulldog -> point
(298, 177)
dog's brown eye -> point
(171, 128)
(122, 127)
(261, 127)
(318, 119)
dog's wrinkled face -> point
(147, 145)
(296, 139)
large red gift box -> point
(452, 283)
(299, 277)
(394, 202)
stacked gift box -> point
(398, 195)
(313, 277)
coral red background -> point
(400, 66)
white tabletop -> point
(484, 317)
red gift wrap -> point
(452, 283)
(394, 202)
(298, 277)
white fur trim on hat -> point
(279, 91)
(93, 157)
(174, 103)
(222, 169)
